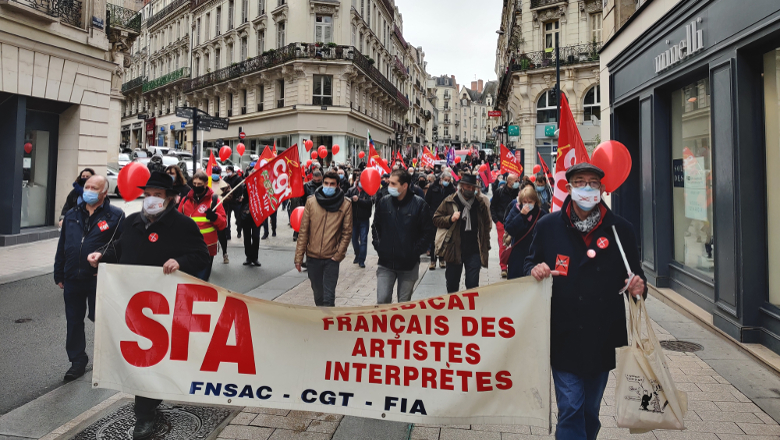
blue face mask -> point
(393, 191)
(445, 184)
(328, 190)
(360, 184)
(341, 177)
(516, 185)
(215, 177)
(91, 197)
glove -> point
(211, 215)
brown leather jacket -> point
(324, 234)
(480, 212)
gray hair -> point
(105, 183)
(316, 173)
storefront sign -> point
(494, 114)
(513, 130)
(137, 124)
(150, 124)
(678, 173)
(549, 130)
(693, 43)
(126, 127)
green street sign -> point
(549, 130)
(513, 130)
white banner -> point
(475, 357)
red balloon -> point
(384, 161)
(370, 179)
(335, 149)
(224, 153)
(28, 148)
(308, 163)
(614, 159)
(457, 159)
(537, 168)
(295, 218)
(240, 148)
(130, 178)
(532, 178)
(483, 168)
(308, 144)
(414, 160)
(362, 154)
(323, 152)
(313, 154)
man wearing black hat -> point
(465, 215)
(157, 236)
(578, 245)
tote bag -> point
(443, 235)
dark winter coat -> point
(588, 316)
(437, 193)
(502, 198)
(172, 236)
(73, 199)
(402, 230)
(361, 210)
(520, 227)
(82, 235)
(380, 194)
(480, 220)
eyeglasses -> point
(595, 184)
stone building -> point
(418, 118)
(444, 91)
(475, 102)
(525, 65)
(60, 101)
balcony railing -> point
(133, 83)
(176, 75)
(542, 3)
(164, 13)
(124, 18)
(292, 52)
(400, 36)
(69, 11)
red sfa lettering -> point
(234, 314)
(184, 322)
(146, 327)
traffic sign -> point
(241, 135)
(220, 123)
(184, 112)
(183, 124)
(142, 116)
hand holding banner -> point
(276, 181)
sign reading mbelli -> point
(692, 43)
(480, 356)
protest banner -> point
(509, 163)
(474, 357)
(427, 158)
(375, 161)
(276, 181)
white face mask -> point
(154, 205)
(586, 198)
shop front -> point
(696, 100)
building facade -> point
(60, 98)
(475, 102)
(419, 117)
(444, 91)
(694, 94)
(526, 68)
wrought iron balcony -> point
(47, 7)
(164, 13)
(400, 36)
(544, 3)
(133, 83)
(295, 51)
(70, 12)
(176, 75)
(124, 18)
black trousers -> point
(145, 408)
(222, 236)
(79, 296)
(273, 224)
(452, 273)
(251, 239)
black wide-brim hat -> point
(583, 167)
(470, 179)
(159, 180)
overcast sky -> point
(458, 36)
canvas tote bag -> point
(645, 395)
(443, 235)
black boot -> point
(143, 429)
(75, 371)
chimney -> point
(473, 85)
(453, 82)
(480, 86)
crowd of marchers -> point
(442, 212)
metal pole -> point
(557, 82)
(195, 157)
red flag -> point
(427, 158)
(265, 157)
(210, 166)
(545, 169)
(374, 161)
(276, 181)
(400, 158)
(275, 148)
(571, 151)
(486, 176)
(509, 162)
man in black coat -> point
(382, 191)
(402, 231)
(437, 192)
(157, 236)
(362, 203)
(502, 197)
(233, 204)
(577, 245)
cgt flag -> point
(428, 159)
(276, 181)
(509, 163)
(571, 151)
(374, 161)
(265, 157)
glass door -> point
(35, 178)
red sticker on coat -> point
(562, 265)
(153, 237)
(103, 226)
(602, 243)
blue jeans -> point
(79, 295)
(360, 240)
(579, 400)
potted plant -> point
(332, 44)
(318, 44)
(371, 61)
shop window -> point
(692, 172)
(772, 136)
(323, 91)
(547, 108)
(592, 104)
